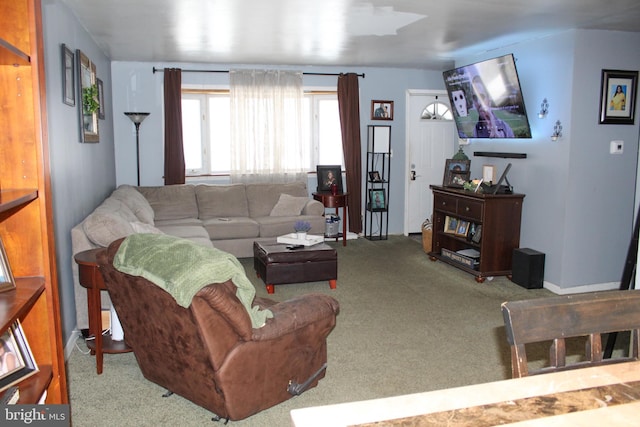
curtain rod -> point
(161, 70)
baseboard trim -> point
(611, 286)
(71, 344)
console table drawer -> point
(470, 209)
(445, 203)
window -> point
(206, 133)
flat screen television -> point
(486, 99)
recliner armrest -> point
(296, 313)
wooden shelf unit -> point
(26, 222)
(498, 214)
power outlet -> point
(616, 147)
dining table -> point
(604, 395)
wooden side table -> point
(91, 278)
(336, 201)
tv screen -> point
(486, 99)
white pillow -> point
(289, 205)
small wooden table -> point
(91, 278)
(336, 201)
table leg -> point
(344, 225)
(98, 330)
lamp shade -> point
(137, 118)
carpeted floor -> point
(406, 325)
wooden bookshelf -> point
(26, 221)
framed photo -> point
(381, 110)
(68, 76)
(450, 225)
(327, 175)
(488, 174)
(7, 282)
(456, 172)
(374, 176)
(18, 360)
(618, 97)
(100, 99)
(462, 229)
(378, 199)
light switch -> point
(616, 147)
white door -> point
(431, 140)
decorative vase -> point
(301, 235)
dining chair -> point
(555, 319)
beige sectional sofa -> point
(229, 217)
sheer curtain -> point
(266, 127)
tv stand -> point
(497, 216)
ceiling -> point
(377, 33)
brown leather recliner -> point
(209, 353)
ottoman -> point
(277, 265)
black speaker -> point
(528, 268)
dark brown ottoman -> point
(277, 265)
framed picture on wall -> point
(618, 97)
(381, 110)
(68, 76)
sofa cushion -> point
(263, 197)
(289, 205)
(221, 201)
(135, 201)
(172, 201)
(274, 226)
(231, 228)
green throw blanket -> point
(182, 268)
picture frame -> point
(68, 76)
(381, 110)
(86, 82)
(618, 97)
(456, 172)
(462, 229)
(7, 282)
(377, 199)
(100, 98)
(488, 174)
(374, 176)
(327, 175)
(450, 225)
(15, 343)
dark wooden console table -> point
(497, 216)
(91, 278)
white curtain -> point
(266, 127)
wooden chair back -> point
(580, 315)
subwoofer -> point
(527, 268)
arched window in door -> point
(437, 111)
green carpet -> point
(406, 325)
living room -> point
(568, 183)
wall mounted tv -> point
(486, 99)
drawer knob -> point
(466, 208)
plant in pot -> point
(90, 102)
(301, 228)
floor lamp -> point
(137, 118)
